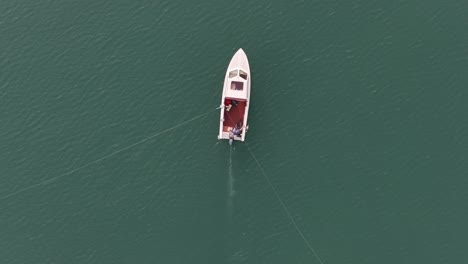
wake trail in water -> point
(230, 189)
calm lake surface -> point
(358, 118)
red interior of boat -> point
(235, 115)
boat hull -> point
(235, 99)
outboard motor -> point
(230, 141)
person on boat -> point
(228, 104)
(236, 131)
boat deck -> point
(234, 116)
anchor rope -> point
(105, 157)
(314, 252)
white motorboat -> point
(235, 99)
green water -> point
(358, 117)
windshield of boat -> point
(243, 74)
(233, 74)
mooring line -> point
(105, 157)
(284, 207)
